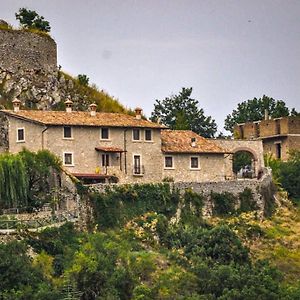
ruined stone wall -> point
(260, 188)
(26, 50)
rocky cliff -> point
(28, 71)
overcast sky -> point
(139, 51)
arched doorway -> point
(244, 163)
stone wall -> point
(26, 50)
(260, 188)
(255, 147)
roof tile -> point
(80, 118)
(179, 141)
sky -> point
(138, 51)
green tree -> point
(254, 110)
(30, 19)
(183, 113)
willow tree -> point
(13, 181)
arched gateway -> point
(233, 147)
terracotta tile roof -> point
(179, 141)
(80, 118)
(109, 149)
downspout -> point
(125, 151)
(43, 140)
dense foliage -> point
(149, 242)
(254, 110)
(183, 113)
(24, 178)
(30, 19)
(287, 174)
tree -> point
(31, 20)
(182, 112)
(254, 110)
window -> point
(137, 167)
(148, 135)
(104, 134)
(136, 135)
(105, 160)
(67, 132)
(169, 162)
(194, 163)
(68, 159)
(278, 150)
(20, 135)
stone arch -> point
(254, 147)
(253, 171)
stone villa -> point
(278, 136)
(97, 146)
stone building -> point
(279, 136)
(99, 146)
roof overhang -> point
(109, 149)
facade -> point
(98, 146)
(279, 136)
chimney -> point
(68, 104)
(138, 113)
(93, 109)
(193, 142)
(16, 104)
(266, 114)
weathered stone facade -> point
(24, 50)
(255, 147)
(211, 168)
(279, 136)
(262, 189)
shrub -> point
(247, 202)
(223, 203)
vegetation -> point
(254, 110)
(87, 94)
(183, 113)
(240, 160)
(287, 174)
(154, 244)
(24, 178)
(29, 19)
(83, 79)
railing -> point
(138, 170)
(12, 225)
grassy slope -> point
(276, 239)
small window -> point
(169, 162)
(104, 134)
(105, 160)
(68, 159)
(136, 135)
(194, 163)
(148, 135)
(67, 132)
(21, 135)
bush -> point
(247, 202)
(223, 203)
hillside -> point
(29, 72)
(136, 249)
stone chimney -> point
(138, 113)
(16, 104)
(266, 114)
(193, 142)
(69, 105)
(93, 109)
